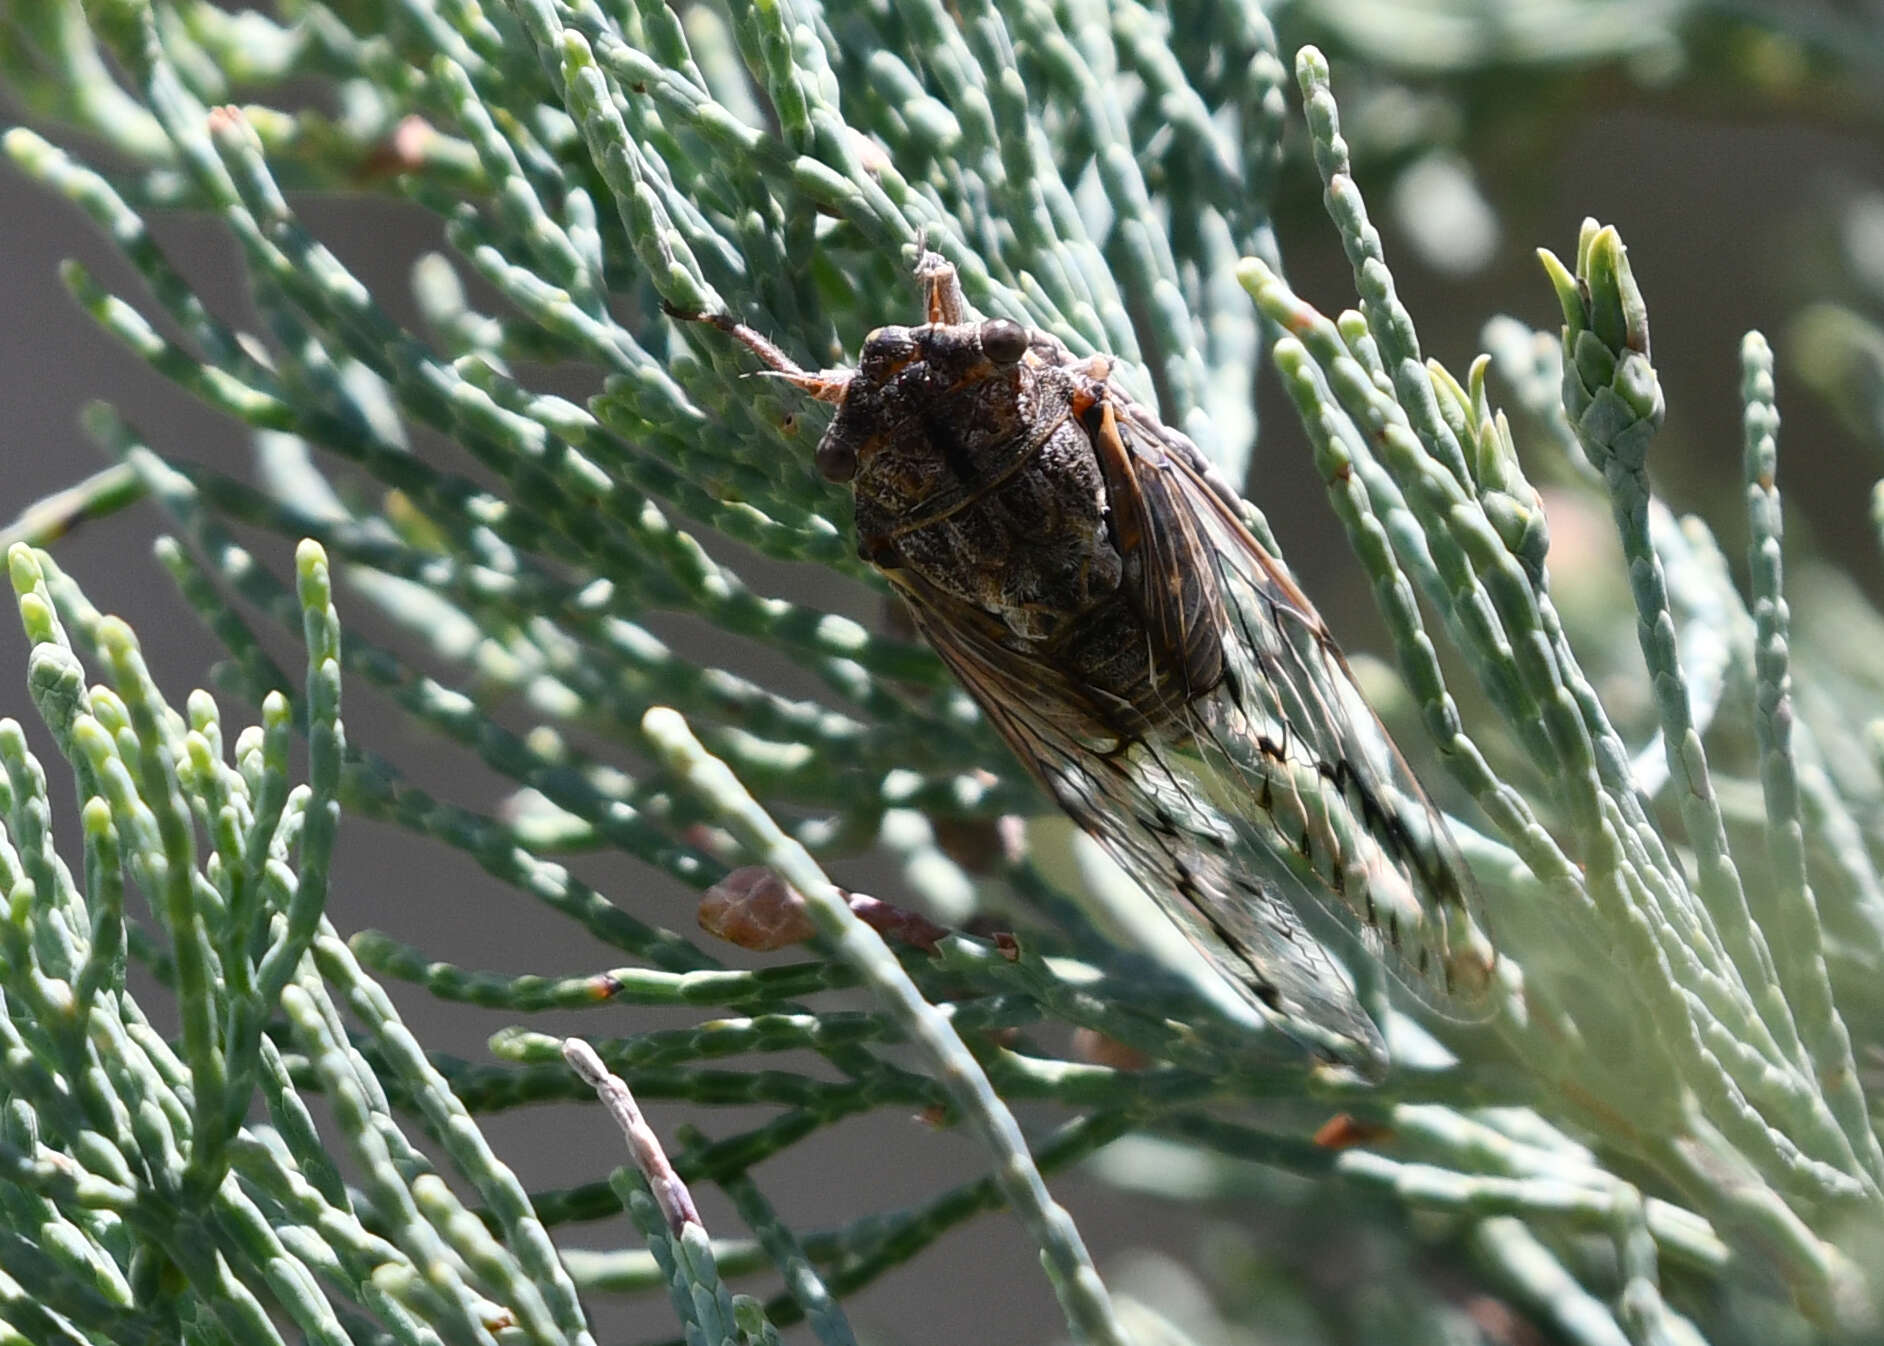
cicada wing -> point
(1288, 749)
(1142, 811)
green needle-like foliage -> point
(1662, 1131)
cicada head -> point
(925, 401)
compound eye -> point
(1002, 341)
(837, 458)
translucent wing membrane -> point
(1290, 751)
(1270, 780)
(1141, 803)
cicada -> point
(1089, 578)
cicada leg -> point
(826, 385)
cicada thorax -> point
(980, 475)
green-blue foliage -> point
(1664, 1133)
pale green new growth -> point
(1663, 1132)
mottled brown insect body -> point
(974, 474)
(1090, 581)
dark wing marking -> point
(1150, 818)
(1289, 751)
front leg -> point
(827, 385)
